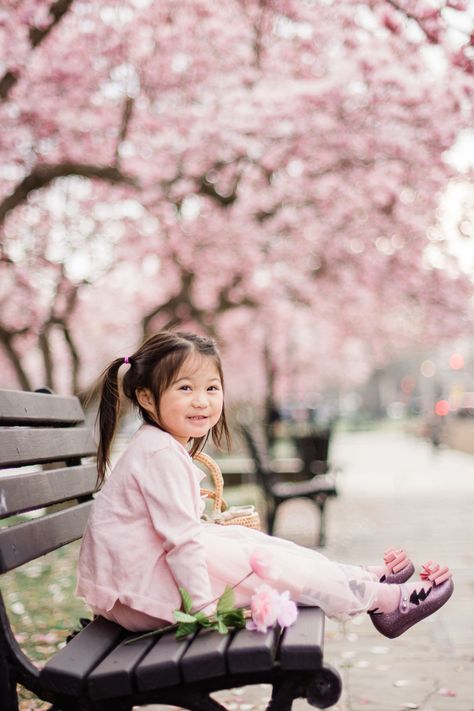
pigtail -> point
(107, 417)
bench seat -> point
(100, 664)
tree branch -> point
(209, 189)
(126, 117)
(43, 175)
(430, 35)
(60, 320)
(201, 316)
(57, 10)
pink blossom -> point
(265, 607)
(288, 610)
(261, 562)
(276, 154)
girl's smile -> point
(193, 402)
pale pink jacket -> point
(142, 539)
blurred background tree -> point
(266, 171)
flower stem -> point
(174, 626)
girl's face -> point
(193, 402)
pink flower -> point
(265, 608)
(261, 562)
(288, 610)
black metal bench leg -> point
(283, 696)
(325, 689)
(321, 504)
(271, 514)
(196, 700)
(8, 695)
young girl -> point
(145, 537)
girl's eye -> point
(213, 387)
(185, 387)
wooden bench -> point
(318, 488)
(45, 455)
(314, 450)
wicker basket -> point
(221, 513)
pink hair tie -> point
(126, 359)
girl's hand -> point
(435, 573)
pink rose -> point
(265, 608)
(261, 562)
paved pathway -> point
(395, 491)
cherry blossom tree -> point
(265, 171)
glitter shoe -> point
(412, 608)
(401, 577)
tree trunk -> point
(75, 359)
(270, 405)
(48, 364)
(23, 379)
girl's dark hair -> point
(154, 366)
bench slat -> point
(160, 668)
(24, 492)
(114, 675)
(205, 657)
(19, 407)
(21, 446)
(67, 671)
(250, 652)
(27, 541)
(302, 643)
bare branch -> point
(126, 117)
(7, 82)
(209, 189)
(430, 35)
(225, 303)
(57, 10)
(43, 175)
(184, 298)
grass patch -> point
(43, 609)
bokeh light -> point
(428, 368)
(456, 361)
(408, 384)
(442, 408)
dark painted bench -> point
(314, 450)
(318, 488)
(45, 457)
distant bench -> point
(242, 470)
(317, 487)
(46, 457)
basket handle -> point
(216, 474)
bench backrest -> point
(314, 447)
(43, 442)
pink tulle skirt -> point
(342, 591)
